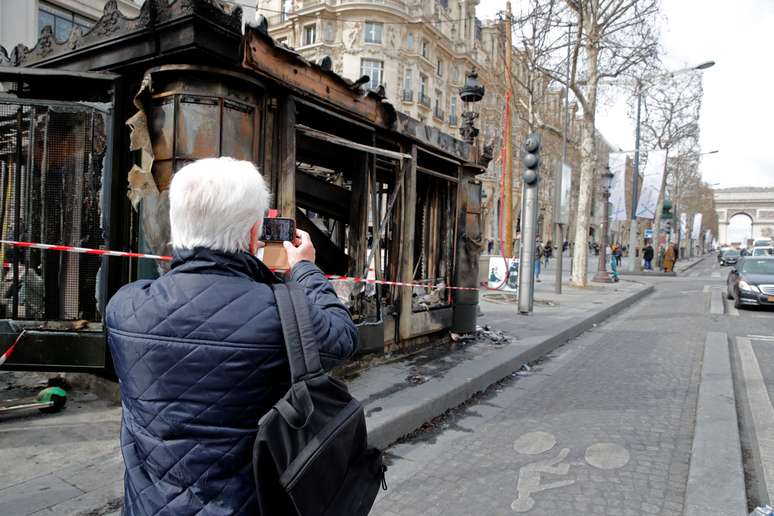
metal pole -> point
(602, 276)
(633, 263)
(527, 252)
(558, 240)
(507, 197)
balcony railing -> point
(438, 113)
(424, 100)
(408, 95)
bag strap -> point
(300, 341)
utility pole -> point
(507, 209)
(529, 209)
(558, 240)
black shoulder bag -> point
(311, 456)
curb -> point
(694, 264)
(652, 274)
(715, 478)
(422, 403)
(757, 418)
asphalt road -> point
(603, 426)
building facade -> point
(417, 54)
(21, 21)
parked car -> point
(751, 282)
(763, 242)
(730, 257)
(763, 251)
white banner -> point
(708, 236)
(564, 198)
(696, 233)
(617, 163)
(683, 225)
(651, 184)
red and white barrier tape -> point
(5, 356)
(83, 250)
(105, 252)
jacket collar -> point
(203, 260)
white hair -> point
(214, 203)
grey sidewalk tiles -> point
(395, 406)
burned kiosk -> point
(125, 105)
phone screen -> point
(278, 230)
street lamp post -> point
(633, 240)
(602, 276)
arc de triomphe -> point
(754, 202)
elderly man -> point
(199, 352)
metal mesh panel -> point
(51, 160)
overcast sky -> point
(738, 112)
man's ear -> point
(254, 234)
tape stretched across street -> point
(125, 254)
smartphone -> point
(278, 229)
(275, 231)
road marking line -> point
(706, 289)
(732, 311)
(715, 477)
(761, 337)
(760, 412)
(715, 274)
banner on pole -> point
(696, 233)
(651, 184)
(683, 225)
(617, 164)
(564, 195)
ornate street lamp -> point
(602, 275)
(471, 94)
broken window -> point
(434, 237)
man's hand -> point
(301, 248)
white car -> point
(762, 251)
(764, 242)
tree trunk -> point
(586, 187)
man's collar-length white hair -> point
(214, 202)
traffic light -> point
(531, 158)
(666, 210)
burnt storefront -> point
(93, 129)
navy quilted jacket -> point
(200, 357)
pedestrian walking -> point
(538, 259)
(647, 256)
(618, 254)
(613, 268)
(669, 258)
(548, 252)
(200, 353)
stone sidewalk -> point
(69, 463)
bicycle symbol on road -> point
(600, 455)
